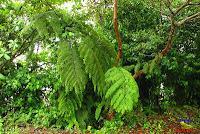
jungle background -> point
(102, 66)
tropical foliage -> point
(77, 65)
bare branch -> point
(168, 5)
(188, 19)
(194, 4)
(169, 40)
(182, 6)
(173, 26)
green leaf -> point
(98, 110)
(2, 77)
(7, 57)
(97, 54)
(71, 68)
(129, 68)
(123, 90)
(137, 67)
(146, 68)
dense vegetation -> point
(95, 67)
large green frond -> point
(68, 104)
(123, 90)
(97, 59)
(48, 23)
(71, 68)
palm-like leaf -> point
(71, 68)
(123, 90)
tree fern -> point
(71, 68)
(123, 90)
(95, 49)
(91, 54)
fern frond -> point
(98, 109)
(71, 68)
(123, 90)
(48, 23)
(68, 104)
(95, 49)
(97, 59)
(55, 24)
(40, 24)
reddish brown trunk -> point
(119, 40)
(169, 40)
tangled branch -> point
(174, 24)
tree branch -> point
(170, 38)
(182, 6)
(188, 19)
(165, 50)
(22, 48)
(161, 14)
(173, 26)
(168, 5)
(194, 4)
(119, 54)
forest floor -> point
(167, 123)
(171, 122)
(161, 124)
